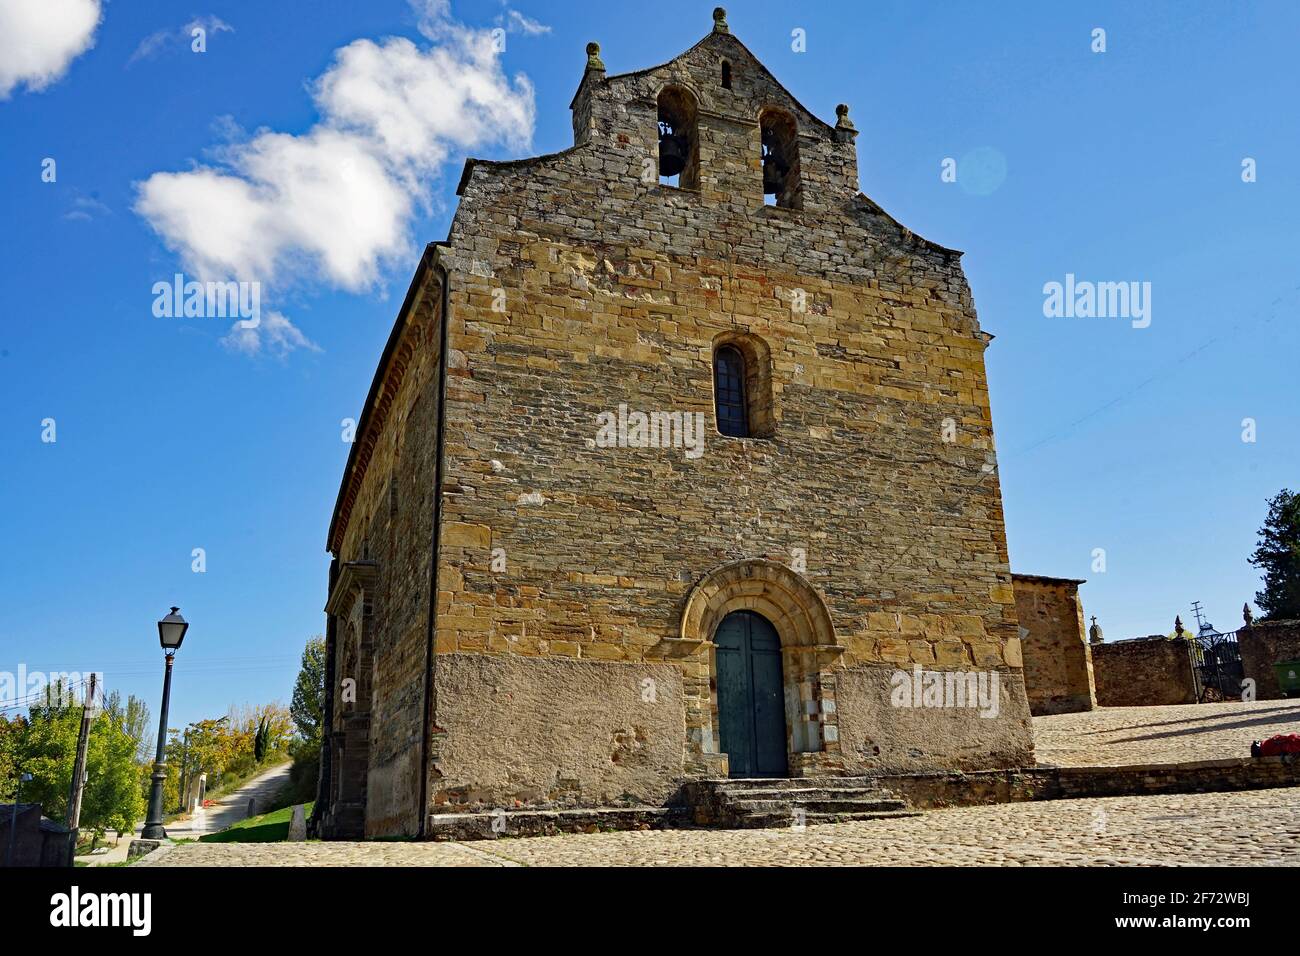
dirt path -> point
(233, 807)
(228, 810)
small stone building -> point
(36, 840)
(678, 464)
(1057, 657)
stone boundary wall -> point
(1264, 644)
(932, 791)
(1150, 672)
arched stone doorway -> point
(809, 653)
(751, 696)
(348, 739)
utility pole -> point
(79, 768)
(1200, 618)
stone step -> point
(781, 783)
(854, 805)
(802, 794)
(778, 821)
(823, 818)
(752, 803)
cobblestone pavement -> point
(1260, 827)
(1136, 735)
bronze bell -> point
(673, 151)
(772, 177)
(774, 167)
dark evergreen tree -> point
(1278, 556)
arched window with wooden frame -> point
(729, 394)
(744, 400)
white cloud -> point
(335, 204)
(516, 22)
(432, 17)
(274, 335)
(86, 208)
(177, 37)
(40, 38)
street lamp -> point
(171, 631)
(13, 824)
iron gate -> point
(1216, 662)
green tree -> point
(133, 715)
(212, 748)
(113, 799)
(306, 707)
(1278, 556)
(47, 749)
(11, 734)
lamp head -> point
(171, 631)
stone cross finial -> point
(594, 61)
(1247, 614)
(1094, 632)
(720, 20)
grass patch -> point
(270, 827)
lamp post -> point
(171, 631)
(13, 824)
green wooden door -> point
(751, 698)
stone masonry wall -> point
(391, 523)
(1143, 673)
(578, 287)
(865, 519)
(878, 736)
(557, 731)
(1264, 644)
(1058, 661)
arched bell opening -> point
(779, 139)
(679, 142)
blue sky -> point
(172, 434)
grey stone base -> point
(140, 848)
(827, 798)
(521, 823)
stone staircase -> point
(780, 802)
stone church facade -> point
(666, 481)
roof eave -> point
(417, 281)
